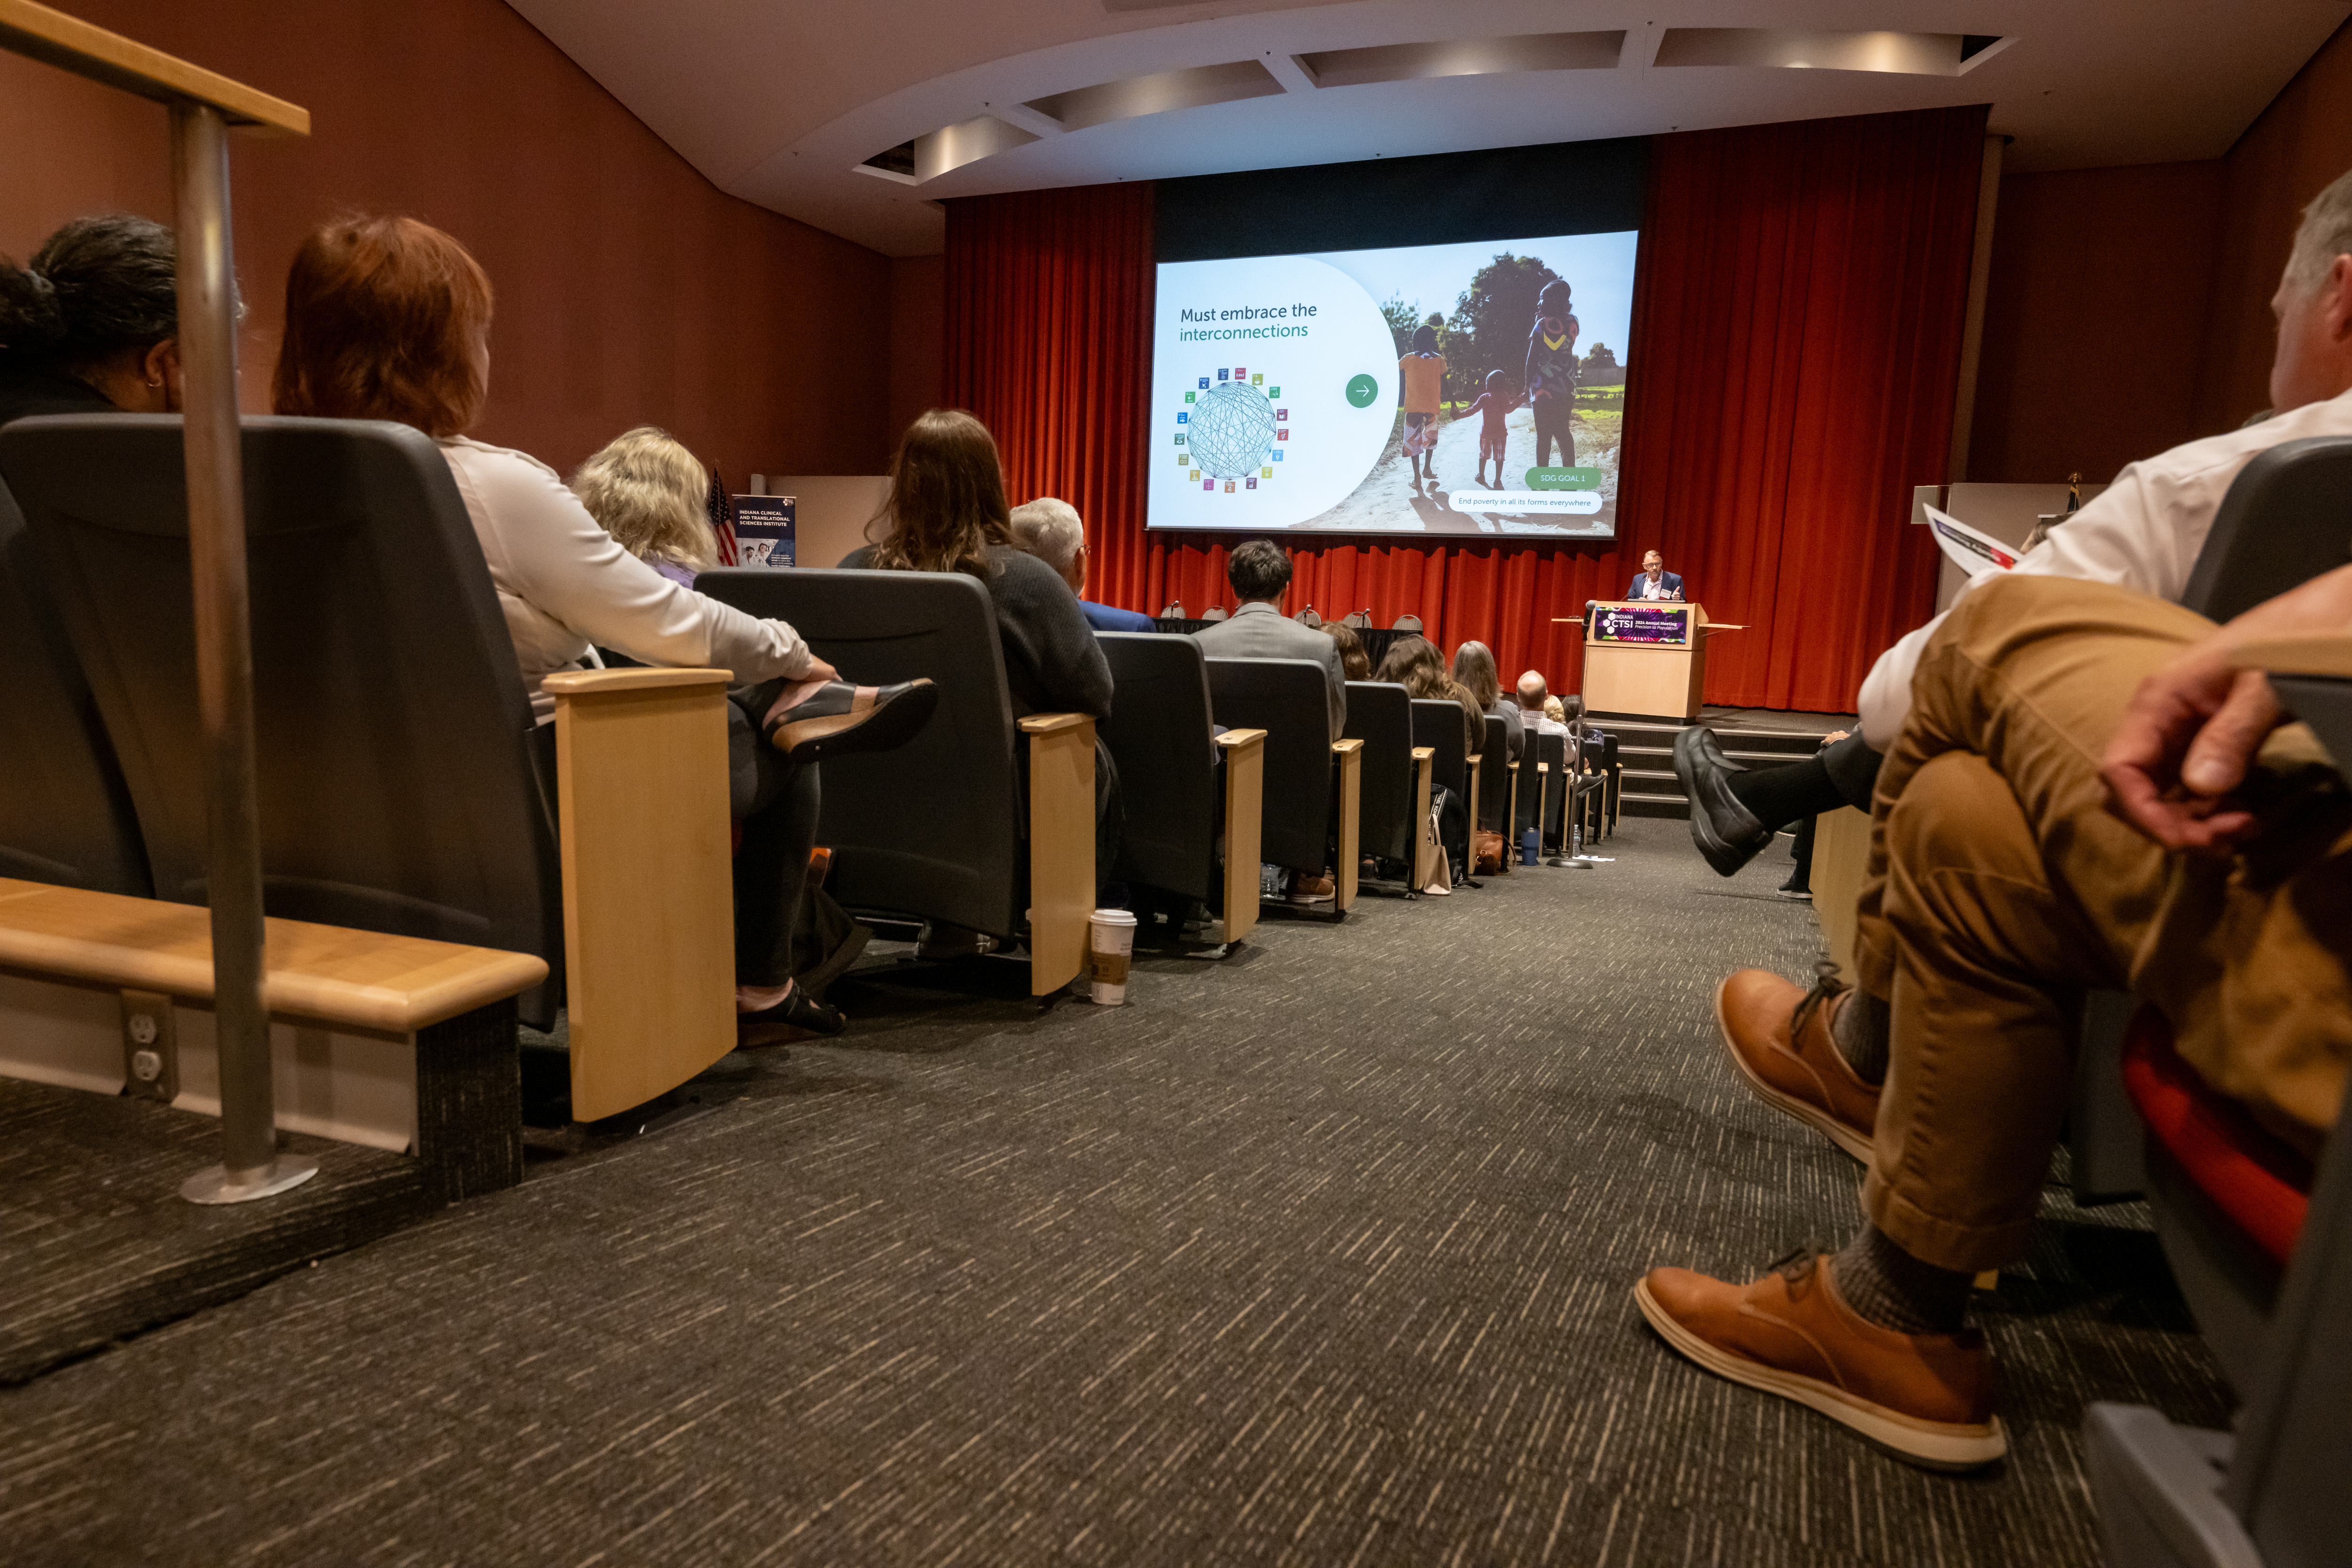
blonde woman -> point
(651, 495)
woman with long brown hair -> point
(387, 318)
(1475, 667)
(947, 513)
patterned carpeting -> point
(1322, 1255)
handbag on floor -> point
(1487, 855)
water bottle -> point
(1530, 848)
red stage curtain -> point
(1795, 351)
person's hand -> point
(820, 670)
(2184, 744)
(1834, 736)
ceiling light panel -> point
(1466, 57)
(953, 146)
(1157, 93)
(1791, 48)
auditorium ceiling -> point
(857, 117)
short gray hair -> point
(1050, 529)
(2324, 234)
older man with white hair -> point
(1052, 531)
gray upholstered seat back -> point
(65, 812)
(392, 731)
(2287, 517)
(1158, 737)
(1437, 724)
(937, 828)
(1287, 699)
(1380, 714)
(1494, 773)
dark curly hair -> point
(96, 287)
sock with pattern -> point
(1859, 1027)
(1889, 1287)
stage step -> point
(1646, 751)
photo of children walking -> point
(1514, 394)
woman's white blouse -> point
(564, 583)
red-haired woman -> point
(387, 318)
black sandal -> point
(797, 1011)
(841, 718)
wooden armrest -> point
(1424, 753)
(2317, 653)
(1347, 748)
(1053, 724)
(1062, 872)
(1238, 740)
(600, 682)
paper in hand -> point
(1972, 552)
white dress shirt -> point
(2143, 532)
(564, 583)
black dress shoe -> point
(1726, 831)
(841, 718)
(798, 1011)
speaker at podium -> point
(1646, 658)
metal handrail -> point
(203, 107)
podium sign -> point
(1651, 624)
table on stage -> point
(1646, 658)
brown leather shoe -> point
(1808, 1079)
(1926, 1398)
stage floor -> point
(1775, 719)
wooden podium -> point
(1645, 658)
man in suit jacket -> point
(1052, 531)
(1260, 573)
(1655, 581)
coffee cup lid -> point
(1115, 916)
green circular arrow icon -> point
(1361, 390)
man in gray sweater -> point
(1260, 572)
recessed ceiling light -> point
(1794, 48)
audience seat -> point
(1314, 787)
(1396, 784)
(1437, 728)
(1553, 781)
(2262, 1244)
(1493, 775)
(1181, 793)
(938, 829)
(395, 746)
(66, 818)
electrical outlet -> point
(151, 1046)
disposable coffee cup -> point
(1112, 934)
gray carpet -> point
(1322, 1255)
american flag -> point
(722, 519)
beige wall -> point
(630, 289)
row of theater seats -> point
(404, 788)
(1359, 620)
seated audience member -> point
(650, 494)
(1415, 663)
(945, 512)
(2084, 792)
(1473, 666)
(1533, 713)
(2143, 532)
(389, 319)
(91, 326)
(1052, 531)
(1259, 571)
(1355, 664)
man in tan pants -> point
(2000, 885)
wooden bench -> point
(394, 1042)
